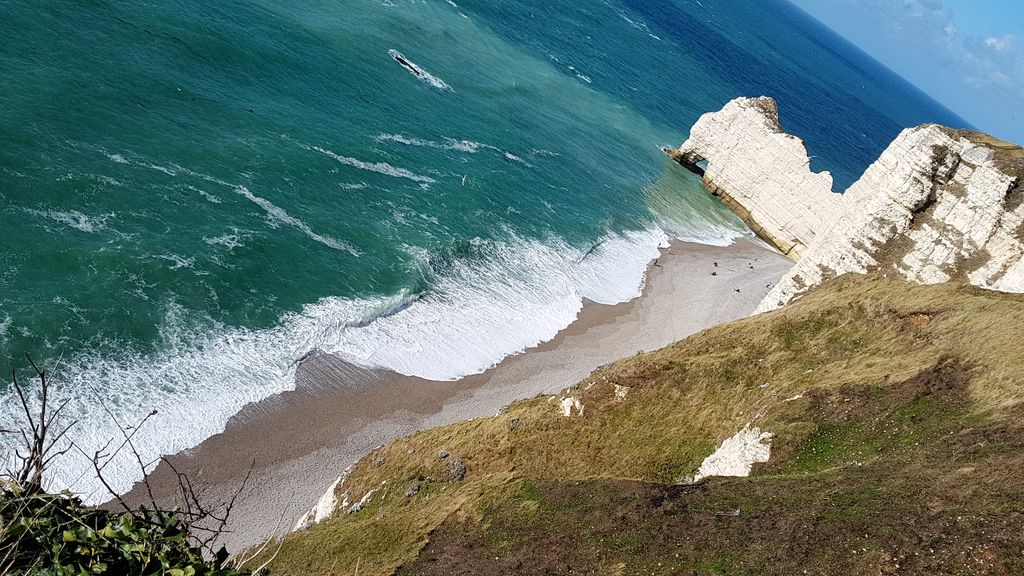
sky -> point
(967, 54)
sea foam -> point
(75, 219)
(278, 214)
(515, 295)
(378, 167)
(458, 145)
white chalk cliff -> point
(938, 204)
(760, 172)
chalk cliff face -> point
(938, 204)
(760, 172)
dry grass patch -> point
(845, 349)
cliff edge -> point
(938, 204)
(872, 427)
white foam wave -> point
(278, 214)
(171, 169)
(523, 295)
(75, 219)
(399, 138)
(209, 197)
(641, 25)
(467, 146)
(712, 235)
(164, 169)
(514, 158)
(378, 167)
(177, 261)
(517, 295)
(5, 325)
(580, 75)
(109, 181)
(229, 241)
(464, 145)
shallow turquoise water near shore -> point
(193, 196)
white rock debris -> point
(364, 500)
(571, 403)
(621, 391)
(325, 506)
(737, 454)
(938, 204)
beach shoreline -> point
(298, 442)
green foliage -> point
(55, 534)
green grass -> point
(904, 436)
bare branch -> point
(39, 447)
(95, 459)
(46, 438)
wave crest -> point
(487, 300)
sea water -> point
(194, 196)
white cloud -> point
(992, 62)
(979, 73)
(1000, 43)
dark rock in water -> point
(442, 454)
(513, 424)
(413, 490)
(456, 470)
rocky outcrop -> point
(760, 172)
(737, 455)
(938, 204)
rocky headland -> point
(872, 426)
(938, 204)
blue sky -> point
(967, 54)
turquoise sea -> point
(196, 195)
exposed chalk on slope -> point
(324, 507)
(737, 454)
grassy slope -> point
(903, 453)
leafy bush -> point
(44, 534)
(55, 534)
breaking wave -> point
(487, 300)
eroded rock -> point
(760, 172)
(938, 204)
(456, 469)
(737, 454)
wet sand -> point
(302, 440)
